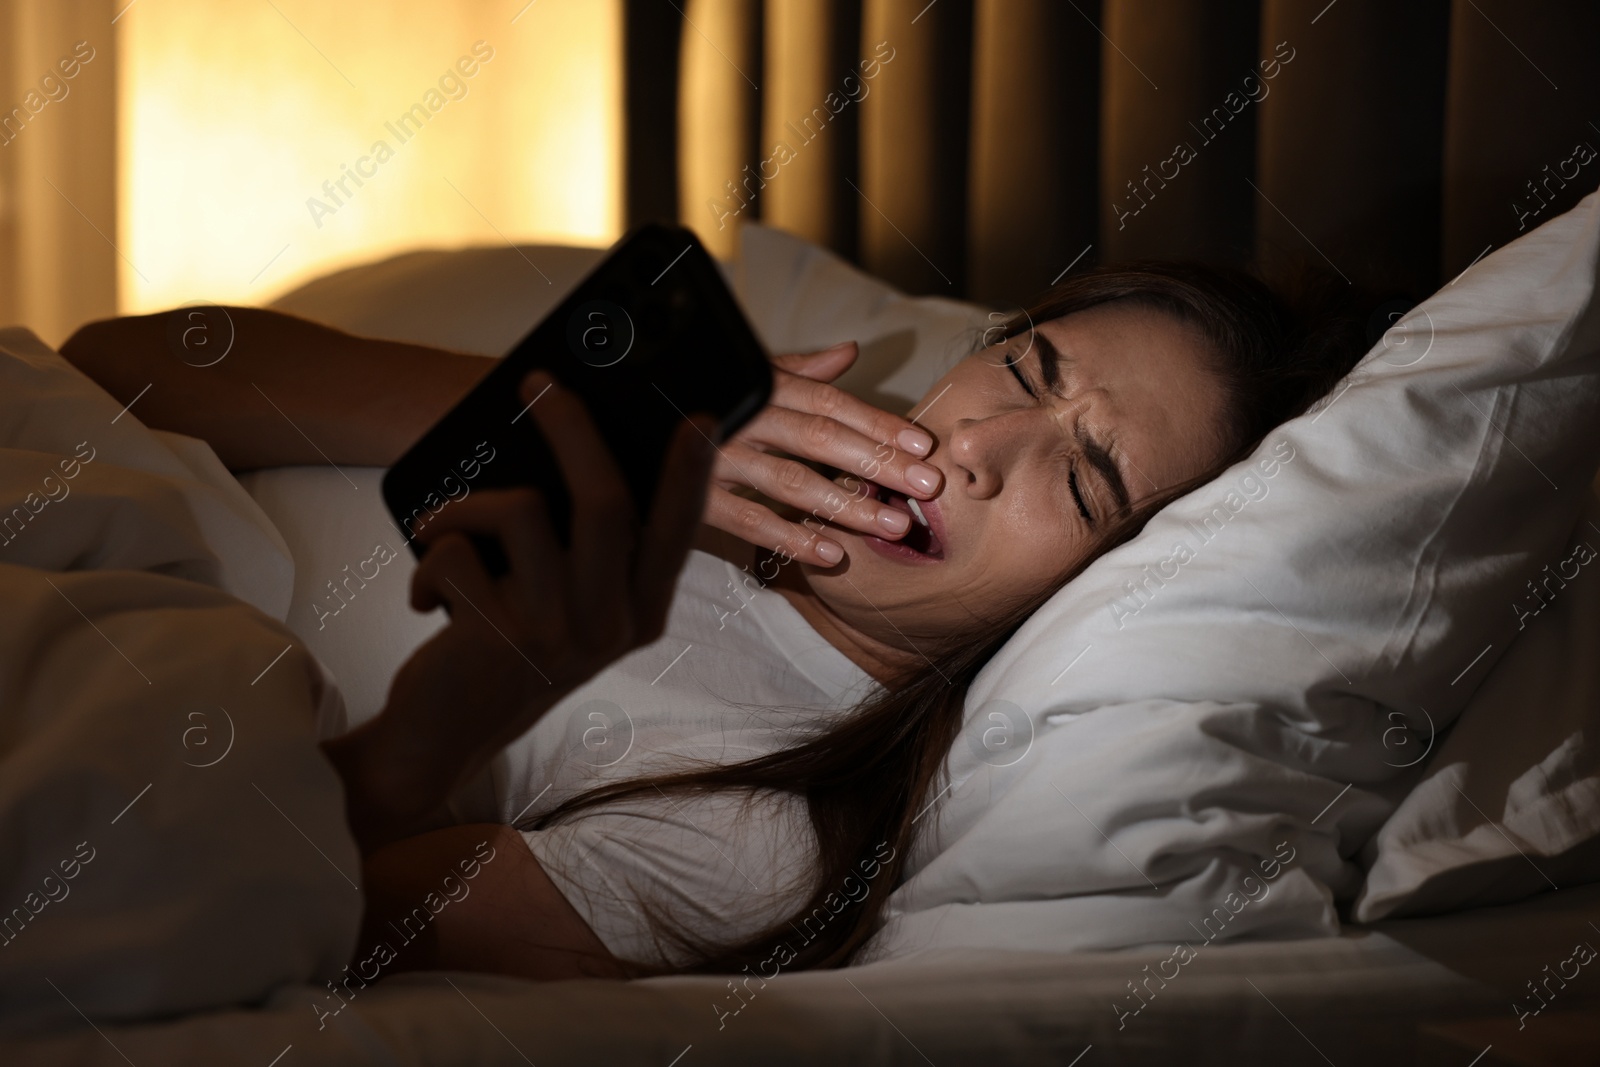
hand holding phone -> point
(516, 645)
(650, 337)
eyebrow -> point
(1050, 360)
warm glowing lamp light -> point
(262, 144)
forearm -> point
(400, 768)
(504, 914)
(386, 799)
(288, 391)
(474, 898)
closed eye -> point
(1011, 364)
(1072, 483)
(1072, 475)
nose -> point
(985, 451)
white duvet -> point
(172, 838)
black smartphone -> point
(651, 336)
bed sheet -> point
(1356, 998)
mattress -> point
(1367, 996)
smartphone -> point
(651, 336)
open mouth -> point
(920, 539)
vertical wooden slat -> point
(1175, 147)
(719, 120)
(650, 125)
(811, 45)
(1035, 122)
(58, 185)
(1523, 107)
(1351, 139)
(914, 138)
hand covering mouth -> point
(921, 537)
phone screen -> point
(651, 336)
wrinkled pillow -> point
(1510, 804)
(801, 298)
(477, 300)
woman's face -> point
(1044, 441)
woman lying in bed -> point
(759, 734)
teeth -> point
(916, 510)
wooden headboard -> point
(982, 148)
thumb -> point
(449, 564)
(821, 366)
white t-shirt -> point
(738, 673)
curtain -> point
(1007, 141)
(719, 120)
(1523, 102)
(58, 224)
(976, 148)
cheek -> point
(1029, 542)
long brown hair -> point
(867, 778)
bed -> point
(1472, 976)
(1379, 994)
(1404, 990)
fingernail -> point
(923, 479)
(830, 551)
(894, 520)
(914, 441)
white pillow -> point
(478, 300)
(1222, 682)
(798, 297)
(1510, 805)
(352, 578)
(801, 298)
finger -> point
(760, 525)
(538, 567)
(793, 483)
(452, 576)
(674, 517)
(603, 521)
(822, 366)
(820, 398)
(483, 511)
(518, 520)
(830, 441)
